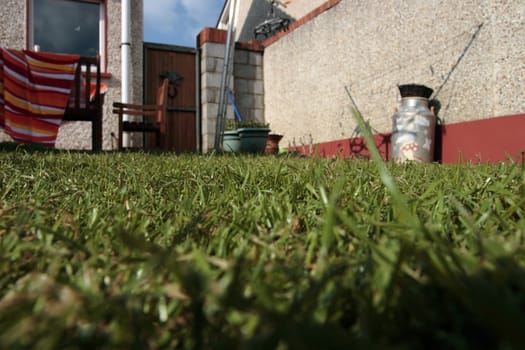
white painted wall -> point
(374, 45)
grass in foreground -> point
(197, 252)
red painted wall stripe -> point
(488, 140)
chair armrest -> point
(135, 106)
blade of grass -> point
(399, 200)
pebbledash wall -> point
(77, 135)
(472, 53)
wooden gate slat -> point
(177, 61)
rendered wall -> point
(77, 135)
(371, 46)
(13, 24)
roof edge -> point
(215, 35)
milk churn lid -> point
(415, 90)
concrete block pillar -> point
(249, 84)
(246, 83)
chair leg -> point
(157, 140)
(96, 133)
(120, 146)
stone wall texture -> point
(245, 81)
(77, 135)
(472, 53)
(249, 85)
(211, 68)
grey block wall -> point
(246, 82)
(249, 85)
(77, 135)
(212, 66)
(211, 69)
(371, 46)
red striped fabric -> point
(34, 92)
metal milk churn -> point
(413, 125)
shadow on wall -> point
(260, 11)
(435, 105)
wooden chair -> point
(85, 104)
(154, 117)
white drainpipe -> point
(125, 47)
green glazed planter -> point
(253, 140)
(231, 141)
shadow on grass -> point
(37, 148)
(24, 147)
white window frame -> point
(101, 28)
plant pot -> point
(231, 141)
(253, 140)
(272, 144)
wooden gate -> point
(178, 65)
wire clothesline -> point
(436, 58)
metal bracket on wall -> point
(174, 80)
(173, 77)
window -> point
(67, 26)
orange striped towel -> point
(82, 93)
(34, 91)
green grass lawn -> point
(158, 251)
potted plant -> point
(231, 141)
(272, 144)
(253, 136)
(245, 136)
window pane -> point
(66, 26)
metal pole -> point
(220, 121)
(125, 47)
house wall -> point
(371, 46)
(13, 24)
(300, 8)
(77, 135)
